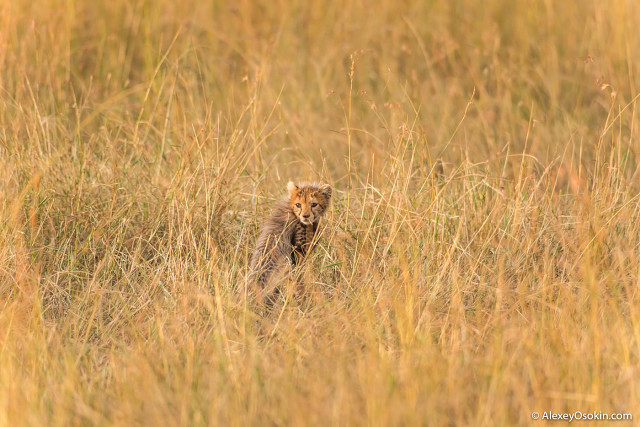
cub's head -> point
(309, 201)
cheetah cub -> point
(287, 236)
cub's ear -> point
(326, 191)
(292, 188)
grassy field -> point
(481, 259)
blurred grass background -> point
(480, 261)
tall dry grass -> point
(480, 261)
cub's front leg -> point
(302, 247)
(301, 242)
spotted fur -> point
(288, 234)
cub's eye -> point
(314, 204)
(298, 205)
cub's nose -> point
(306, 215)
